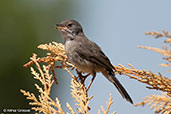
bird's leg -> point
(94, 75)
(81, 77)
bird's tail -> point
(111, 77)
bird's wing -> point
(92, 52)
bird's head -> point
(69, 27)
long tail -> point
(111, 77)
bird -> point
(87, 56)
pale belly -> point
(85, 66)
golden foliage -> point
(160, 103)
(154, 81)
(79, 93)
(108, 106)
(165, 51)
(158, 35)
(56, 54)
(44, 103)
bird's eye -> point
(70, 25)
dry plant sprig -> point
(158, 35)
(108, 106)
(165, 51)
(154, 81)
(56, 53)
(79, 93)
(44, 103)
(160, 103)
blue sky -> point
(118, 27)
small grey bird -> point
(86, 55)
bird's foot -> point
(81, 77)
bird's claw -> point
(81, 77)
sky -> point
(118, 27)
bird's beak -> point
(60, 27)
